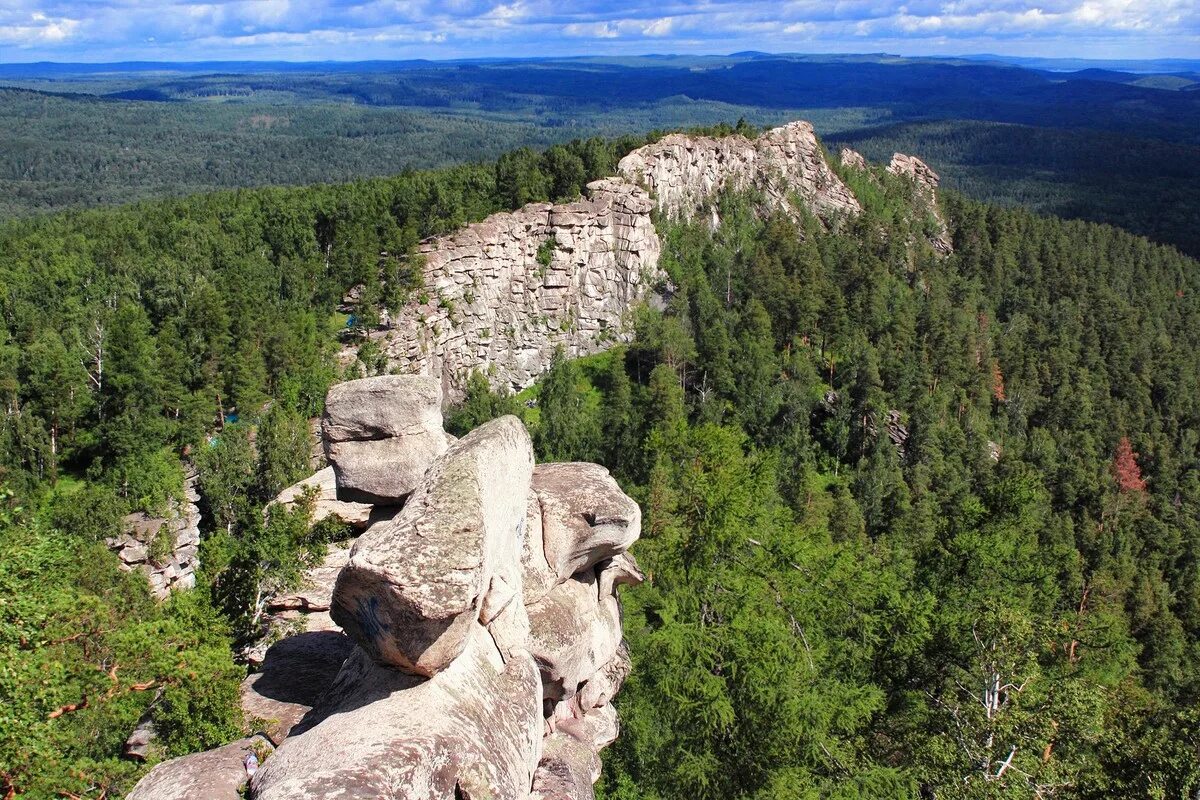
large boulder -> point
(473, 731)
(381, 434)
(218, 774)
(586, 518)
(415, 585)
(574, 632)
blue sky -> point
(349, 30)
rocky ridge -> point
(926, 181)
(786, 164)
(501, 295)
(484, 640)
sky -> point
(353, 30)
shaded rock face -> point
(686, 173)
(926, 181)
(463, 680)
(475, 729)
(176, 567)
(499, 296)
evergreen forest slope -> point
(916, 526)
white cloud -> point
(72, 29)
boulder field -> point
(482, 643)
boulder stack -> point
(485, 643)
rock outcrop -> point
(164, 548)
(685, 174)
(852, 159)
(415, 585)
(381, 434)
(484, 647)
(926, 182)
(219, 774)
(501, 295)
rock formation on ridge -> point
(499, 296)
(926, 181)
(684, 173)
(484, 645)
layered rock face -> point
(686, 173)
(502, 294)
(169, 563)
(484, 642)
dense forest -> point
(915, 526)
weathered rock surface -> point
(294, 675)
(686, 173)
(415, 584)
(586, 518)
(176, 567)
(483, 637)
(474, 730)
(218, 774)
(574, 633)
(926, 181)
(381, 434)
(499, 296)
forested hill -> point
(916, 526)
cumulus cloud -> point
(298, 29)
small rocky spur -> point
(484, 629)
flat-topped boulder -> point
(381, 434)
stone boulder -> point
(381, 434)
(574, 633)
(415, 585)
(218, 774)
(324, 486)
(474, 730)
(586, 518)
